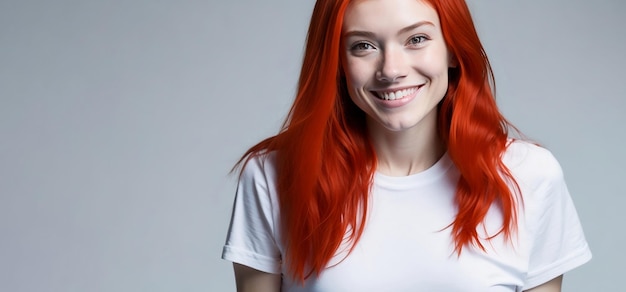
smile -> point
(397, 94)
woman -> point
(395, 171)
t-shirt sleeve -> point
(251, 238)
(559, 244)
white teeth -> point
(396, 94)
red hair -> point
(325, 162)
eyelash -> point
(360, 46)
(415, 40)
(421, 39)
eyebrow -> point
(372, 35)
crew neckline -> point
(436, 171)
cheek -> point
(435, 62)
(356, 74)
(435, 67)
(353, 92)
(356, 95)
(439, 78)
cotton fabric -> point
(406, 246)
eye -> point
(362, 46)
(417, 40)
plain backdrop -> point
(120, 120)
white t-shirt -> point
(405, 245)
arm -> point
(553, 285)
(251, 280)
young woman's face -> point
(395, 61)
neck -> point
(407, 152)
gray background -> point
(119, 121)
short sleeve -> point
(251, 238)
(559, 244)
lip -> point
(399, 102)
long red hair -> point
(325, 162)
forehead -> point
(372, 15)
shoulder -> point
(258, 166)
(257, 179)
(549, 224)
(253, 231)
(531, 163)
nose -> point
(393, 66)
